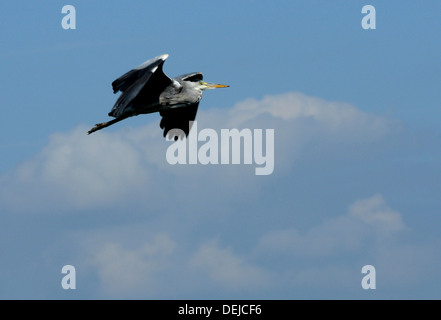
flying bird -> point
(146, 89)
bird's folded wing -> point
(177, 122)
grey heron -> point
(146, 89)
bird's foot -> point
(98, 126)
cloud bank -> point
(152, 230)
(79, 171)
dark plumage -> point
(146, 89)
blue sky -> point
(357, 152)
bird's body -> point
(146, 89)
(181, 92)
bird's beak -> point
(214, 85)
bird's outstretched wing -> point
(177, 122)
(144, 82)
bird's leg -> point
(97, 127)
(102, 125)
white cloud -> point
(77, 171)
(125, 271)
(334, 237)
(328, 256)
(227, 269)
(295, 106)
(129, 265)
(91, 168)
(343, 234)
(376, 212)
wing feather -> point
(177, 121)
(129, 78)
(131, 84)
(194, 76)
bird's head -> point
(205, 85)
